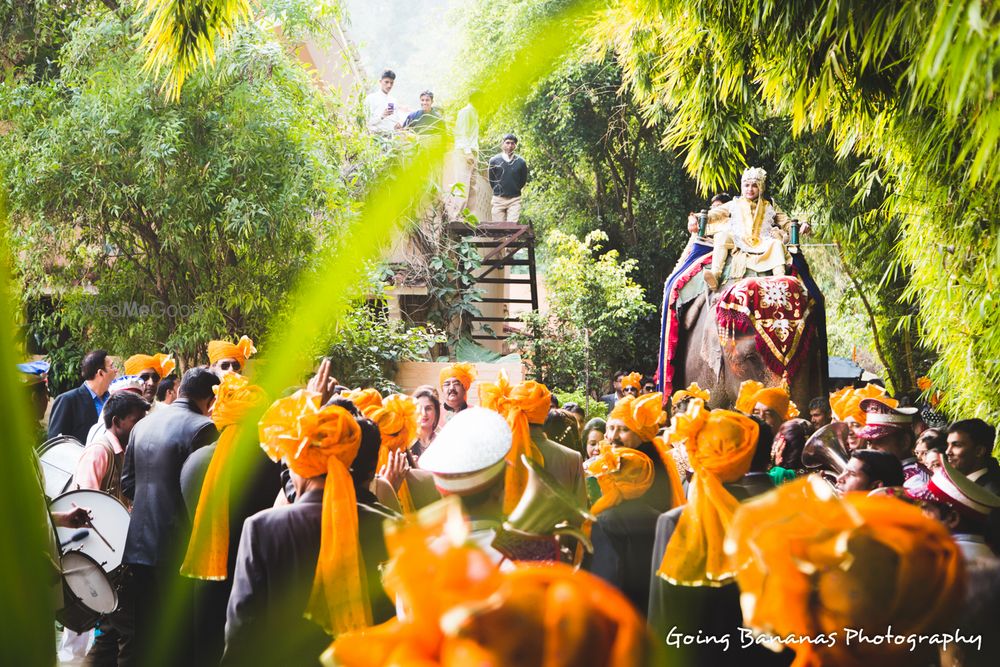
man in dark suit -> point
(626, 525)
(75, 411)
(712, 611)
(277, 560)
(159, 530)
(257, 492)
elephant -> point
(720, 356)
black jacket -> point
(73, 413)
(508, 178)
(623, 546)
(157, 449)
(255, 493)
(704, 610)
(274, 576)
(991, 479)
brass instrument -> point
(824, 451)
(545, 511)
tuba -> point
(544, 512)
(824, 451)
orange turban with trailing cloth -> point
(644, 416)
(775, 398)
(366, 401)
(632, 380)
(812, 563)
(622, 473)
(208, 551)
(462, 371)
(720, 445)
(527, 403)
(241, 351)
(163, 364)
(317, 440)
(397, 424)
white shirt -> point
(376, 103)
(467, 130)
(973, 476)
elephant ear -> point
(745, 399)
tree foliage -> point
(904, 90)
(594, 303)
(158, 225)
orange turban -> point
(643, 416)
(462, 371)
(365, 400)
(317, 440)
(527, 403)
(397, 424)
(692, 391)
(208, 550)
(812, 563)
(720, 445)
(163, 364)
(846, 403)
(632, 380)
(220, 349)
(622, 473)
(570, 617)
(775, 398)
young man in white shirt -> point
(383, 114)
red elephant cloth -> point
(777, 308)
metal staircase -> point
(501, 245)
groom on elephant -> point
(750, 230)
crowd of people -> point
(507, 171)
(355, 526)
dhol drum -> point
(104, 539)
(88, 593)
(59, 456)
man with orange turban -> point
(150, 369)
(813, 564)
(225, 357)
(303, 557)
(845, 405)
(626, 525)
(635, 423)
(455, 380)
(772, 405)
(223, 485)
(692, 581)
(632, 384)
(525, 407)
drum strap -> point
(112, 482)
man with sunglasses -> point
(226, 357)
(150, 369)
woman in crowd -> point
(428, 419)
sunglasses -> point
(149, 377)
(229, 365)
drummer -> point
(100, 465)
(100, 469)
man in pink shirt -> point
(100, 467)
